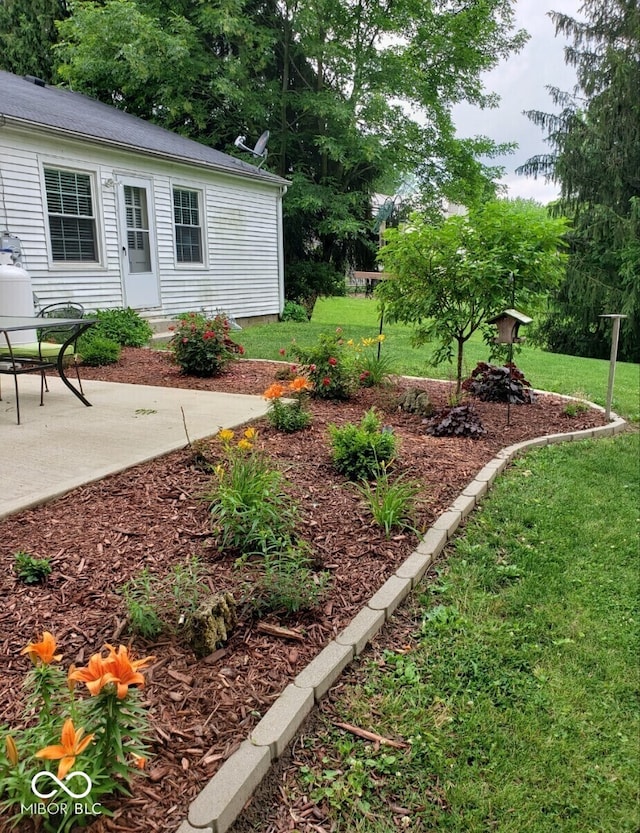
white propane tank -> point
(16, 296)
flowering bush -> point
(202, 346)
(97, 742)
(289, 416)
(328, 366)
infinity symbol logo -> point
(61, 784)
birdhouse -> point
(508, 323)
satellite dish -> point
(260, 148)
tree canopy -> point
(355, 93)
(596, 159)
(447, 279)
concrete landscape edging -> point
(222, 800)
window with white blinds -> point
(72, 222)
(186, 212)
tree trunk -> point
(459, 368)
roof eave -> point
(271, 179)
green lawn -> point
(519, 696)
(359, 318)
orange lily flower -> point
(72, 745)
(96, 674)
(12, 750)
(139, 761)
(43, 650)
(299, 384)
(274, 391)
(123, 671)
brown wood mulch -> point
(153, 516)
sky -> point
(521, 83)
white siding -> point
(240, 229)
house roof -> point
(27, 102)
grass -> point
(518, 696)
(359, 318)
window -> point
(72, 222)
(186, 214)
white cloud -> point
(521, 83)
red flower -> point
(185, 340)
(282, 351)
(333, 362)
(208, 334)
(312, 368)
(326, 381)
(241, 350)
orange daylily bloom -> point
(96, 674)
(274, 391)
(72, 744)
(139, 761)
(43, 650)
(123, 671)
(299, 384)
(12, 750)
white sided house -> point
(112, 211)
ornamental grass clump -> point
(250, 511)
(91, 747)
(363, 452)
(372, 367)
(203, 346)
(289, 416)
(391, 502)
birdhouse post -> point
(508, 323)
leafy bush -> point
(289, 416)
(123, 326)
(29, 569)
(97, 350)
(362, 452)
(328, 367)
(307, 280)
(249, 509)
(459, 421)
(293, 311)
(203, 347)
(491, 383)
(391, 502)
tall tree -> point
(350, 90)
(27, 34)
(596, 159)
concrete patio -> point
(64, 444)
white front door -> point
(137, 244)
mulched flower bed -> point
(153, 516)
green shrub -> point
(123, 326)
(362, 452)
(572, 409)
(203, 347)
(328, 366)
(391, 502)
(29, 569)
(293, 311)
(97, 350)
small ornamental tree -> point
(448, 279)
